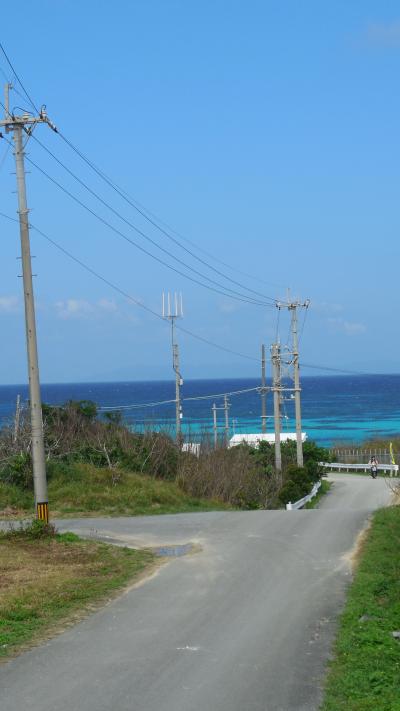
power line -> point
(156, 222)
(303, 324)
(217, 345)
(5, 75)
(5, 154)
(145, 236)
(18, 79)
(334, 370)
(247, 300)
(106, 408)
(128, 296)
(125, 196)
(140, 209)
(142, 212)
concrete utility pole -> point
(215, 428)
(226, 409)
(17, 417)
(276, 389)
(297, 389)
(19, 126)
(263, 392)
(292, 307)
(171, 313)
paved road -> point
(245, 624)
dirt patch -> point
(353, 556)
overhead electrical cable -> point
(158, 223)
(143, 306)
(305, 312)
(137, 406)
(144, 235)
(7, 79)
(17, 78)
(128, 296)
(134, 203)
(144, 214)
(334, 370)
(248, 300)
(4, 156)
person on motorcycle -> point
(373, 463)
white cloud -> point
(107, 305)
(74, 308)
(383, 34)
(81, 308)
(9, 304)
(351, 328)
(326, 307)
(228, 307)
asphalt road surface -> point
(244, 623)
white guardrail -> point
(393, 469)
(301, 502)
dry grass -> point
(81, 489)
(46, 583)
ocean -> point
(335, 409)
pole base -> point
(42, 512)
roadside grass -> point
(49, 580)
(365, 672)
(323, 489)
(85, 490)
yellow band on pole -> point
(42, 512)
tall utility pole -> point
(292, 307)
(171, 312)
(215, 428)
(17, 418)
(297, 390)
(263, 392)
(19, 126)
(226, 409)
(276, 389)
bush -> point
(298, 484)
(230, 475)
(313, 453)
(18, 471)
(31, 530)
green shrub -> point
(18, 471)
(313, 453)
(298, 484)
(31, 530)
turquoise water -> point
(334, 408)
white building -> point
(253, 440)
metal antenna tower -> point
(172, 309)
(18, 126)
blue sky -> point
(266, 133)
